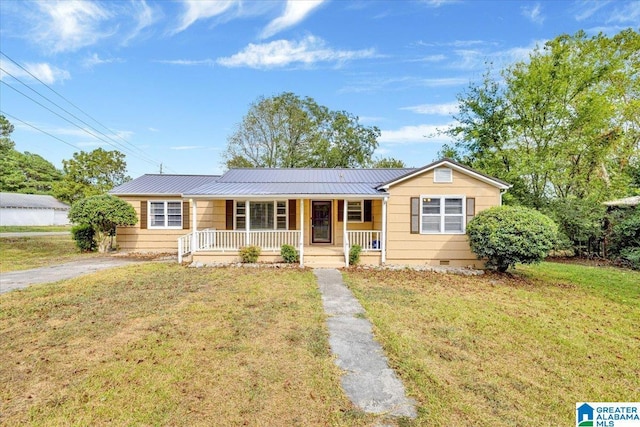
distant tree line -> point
(563, 127)
(85, 174)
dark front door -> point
(320, 221)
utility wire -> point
(65, 99)
(38, 129)
(146, 159)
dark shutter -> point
(471, 208)
(229, 214)
(415, 215)
(340, 210)
(185, 215)
(292, 214)
(367, 211)
(143, 214)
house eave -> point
(283, 196)
(453, 165)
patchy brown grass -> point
(500, 350)
(159, 344)
(22, 253)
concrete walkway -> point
(21, 279)
(368, 381)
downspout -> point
(345, 240)
(383, 239)
(501, 193)
(194, 226)
(247, 221)
(301, 232)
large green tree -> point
(564, 124)
(23, 172)
(91, 173)
(289, 131)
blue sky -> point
(168, 81)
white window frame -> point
(275, 214)
(442, 215)
(436, 176)
(360, 211)
(150, 215)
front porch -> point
(220, 246)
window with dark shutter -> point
(292, 214)
(368, 217)
(185, 215)
(471, 208)
(143, 214)
(415, 215)
(229, 214)
(340, 210)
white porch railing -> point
(233, 240)
(268, 240)
(368, 240)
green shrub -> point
(625, 234)
(84, 237)
(631, 257)
(250, 254)
(506, 235)
(289, 254)
(354, 254)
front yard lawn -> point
(22, 253)
(160, 344)
(504, 350)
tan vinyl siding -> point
(161, 240)
(406, 248)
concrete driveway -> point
(21, 279)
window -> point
(263, 215)
(442, 214)
(164, 214)
(354, 211)
(442, 175)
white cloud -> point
(415, 135)
(438, 3)
(144, 16)
(533, 13)
(186, 147)
(198, 9)
(630, 12)
(70, 25)
(588, 8)
(95, 59)
(447, 109)
(281, 53)
(295, 12)
(42, 71)
(188, 62)
(401, 83)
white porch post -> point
(345, 241)
(194, 226)
(247, 237)
(383, 238)
(301, 232)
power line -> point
(145, 158)
(148, 160)
(65, 99)
(38, 129)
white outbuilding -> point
(32, 209)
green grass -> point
(514, 349)
(22, 253)
(33, 229)
(160, 344)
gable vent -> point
(443, 175)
